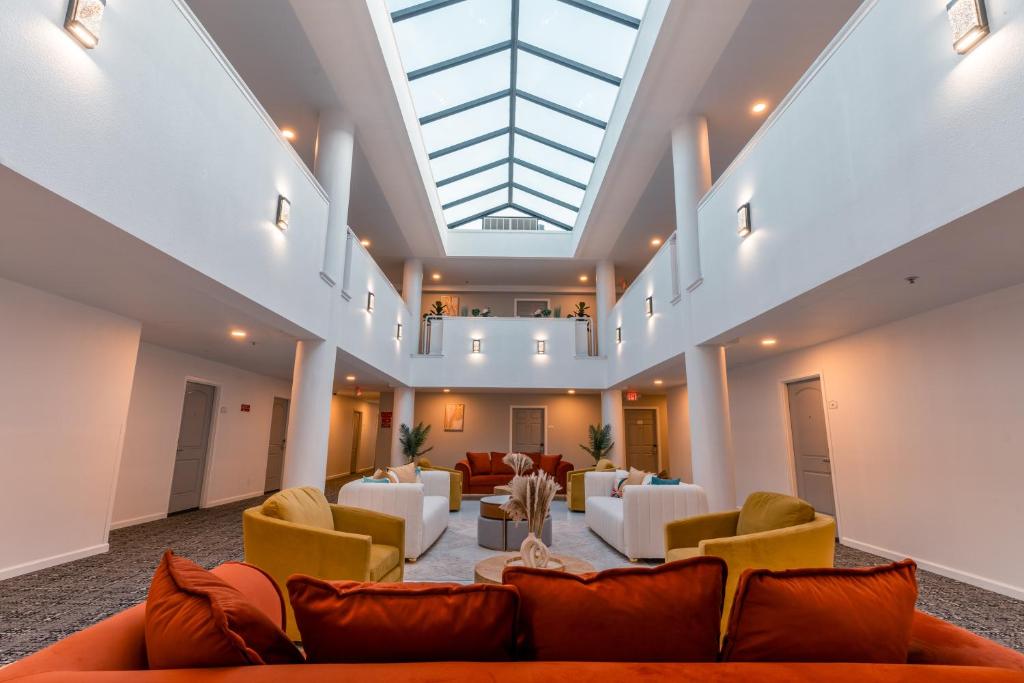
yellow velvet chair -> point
(771, 531)
(454, 481)
(296, 531)
(575, 495)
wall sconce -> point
(476, 346)
(743, 220)
(649, 306)
(84, 20)
(969, 23)
(542, 346)
(618, 335)
(369, 302)
(398, 333)
(284, 212)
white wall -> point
(339, 445)
(237, 461)
(67, 375)
(927, 440)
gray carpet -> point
(40, 608)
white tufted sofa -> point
(635, 524)
(423, 506)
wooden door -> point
(810, 445)
(527, 430)
(275, 451)
(193, 444)
(642, 439)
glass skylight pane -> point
(547, 185)
(451, 31)
(395, 5)
(475, 206)
(466, 125)
(564, 86)
(632, 8)
(558, 127)
(474, 183)
(552, 159)
(509, 211)
(576, 34)
(545, 208)
(469, 158)
(461, 83)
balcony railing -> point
(539, 336)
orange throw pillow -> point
(823, 615)
(196, 619)
(669, 613)
(498, 465)
(352, 621)
(479, 463)
(549, 464)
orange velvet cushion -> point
(195, 619)
(352, 621)
(823, 615)
(669, 613)
(497, 464)
(479, 463)
(535, 458)
(934, 641)
(549, 464)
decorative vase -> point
(534, 552)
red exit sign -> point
(246, 408)
(632, 395)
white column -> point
(710, 427)
(309, 414)
(412, 294)
(404, 413)
(691, 171)
(335, 145)
(604, 282)
(611, 414)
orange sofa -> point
(114, 651)
(481, 475)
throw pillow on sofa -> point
(859, 615)
(549, 464)
(407, 474)
(353, 621)
(669, 613)
(479, 463)
(498, 465)
(196, 619)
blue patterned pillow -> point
(371, 480)
(617, 488)
(665, 482)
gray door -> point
(527, 430)
(642, 439)
(275, 452)
(193, 443)
(357, 436)
(810, 445)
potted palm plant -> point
(600, 441)
(413, 439)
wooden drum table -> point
(489, 570)
(496, 531)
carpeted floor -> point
(40, 608)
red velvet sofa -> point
(481, 472)
(114, 650)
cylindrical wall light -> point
(743, 227)
(476, 346)
(284, 212)
(398, 332)
(84, 21)
(618, 335)
(369, 302)
(649, 305)
(542, 346)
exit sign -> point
(246, 407)
(632, 395)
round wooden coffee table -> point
(490, 569)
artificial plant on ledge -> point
(413, 439)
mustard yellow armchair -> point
(575, 495)
(771, 531)
(296, 531)
(454, 480)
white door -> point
(193, 440)
(810, 445)
(275, 451)
(642, 439)
(527, 430)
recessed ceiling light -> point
(239, 334)
(759, 107)
(435, 276)
(571, 391)
(447, 391)
(583, 278)
(365, 243)
(656, 242)
(769, 341)
(288, 134)
(350, 378)
(659, 381)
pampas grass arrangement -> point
(530, 500)
(519, 462)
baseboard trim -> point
(336, 477)
(941, 569)
(137, 520)
(232, 499)
(52, 561)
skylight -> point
(513, 97)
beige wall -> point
(502, 304)
(488, 423)
(679, 434)
(927, 436)
(339, 444)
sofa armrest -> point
(934, 641)
(463, 468)
(574, 493)
(689, 532)
(284, 548)
(436, 483)
(646, 510)
(562, 473)
(455, 478)
(381, 528)
(598, 484)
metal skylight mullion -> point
(550, 174)
(602, 11)
(482, 214)
(554, 145)
(555, 107)
(471, 172)
(475, 195)
(570, 63)
(465, 106)
(469, 143)
(461, 59)
(537, 215)
(421, 8)
(513, 65)
(545, 197)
